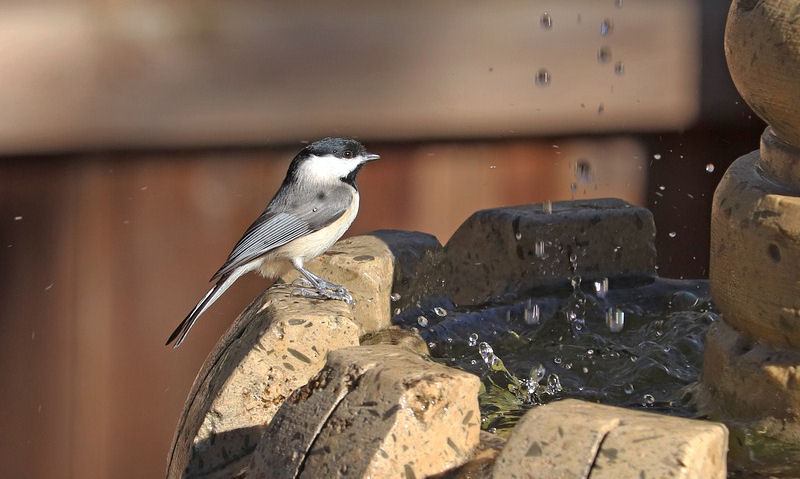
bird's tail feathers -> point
(213, 294)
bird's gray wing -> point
(306, 211)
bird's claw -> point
(330, 291)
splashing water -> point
(570, 351)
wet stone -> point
(269, 351)
(378, 411)
(494, 252)
(576, 439)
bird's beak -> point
(371, 157)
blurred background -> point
(139, 139)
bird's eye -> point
(348, 154)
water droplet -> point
(18, 218)
(518, 235)
(485, 351)
(672, 234)
(441, 312)
(628, 389)
(662, 187)
(615, 320)
(585, 370)
(313, 209)
(537, 373)
(606, 27)
(395, 297)
(657, 156)
(553, 384)
(546, 21)
(648, 400)
(710, 167)
(543, 78)
(531, 313)
(547, 207)
(604, 55)
(557, 359)
(601, 287)
(538, 248)
(422, 321)
(583, 171)
(619, 68)
(396, 311)
(431, 345)
(473, 339)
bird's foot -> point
(325, 290)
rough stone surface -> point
(373, 411)
(493, 253)
(274, 347)
(755, 254)
(365, 266)
(575, 439)
(748, 379)
(762, 45)
(397, 336)
(779, 160)
(480, 464)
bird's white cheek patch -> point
(328, 167)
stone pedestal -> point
(751, 372)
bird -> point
(314, 206)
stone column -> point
(751, 372)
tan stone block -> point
(755, 254)
(374, 411)
(480, 463)
(275, 346)
(748, 379)
(394, 335)
(493, 253)
(365, 266)
(576, 439)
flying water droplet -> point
(648, 400)
(606, 27)
(395, 297)
(473, 339)
(710, 168)
(546, 21)
(531, 313)
(615, 320)
(543, 78)
(672, 234)
(422, 321)
(537, 373)
(518, 235)
(601, 287)
(441, 312)
(657, 156)
(583, 171)
(485, 351)
(628, 389)
(604, 55)
(538, 248)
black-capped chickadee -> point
(312, 209)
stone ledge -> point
(608, 238)
(274, 346)
(576, 439)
